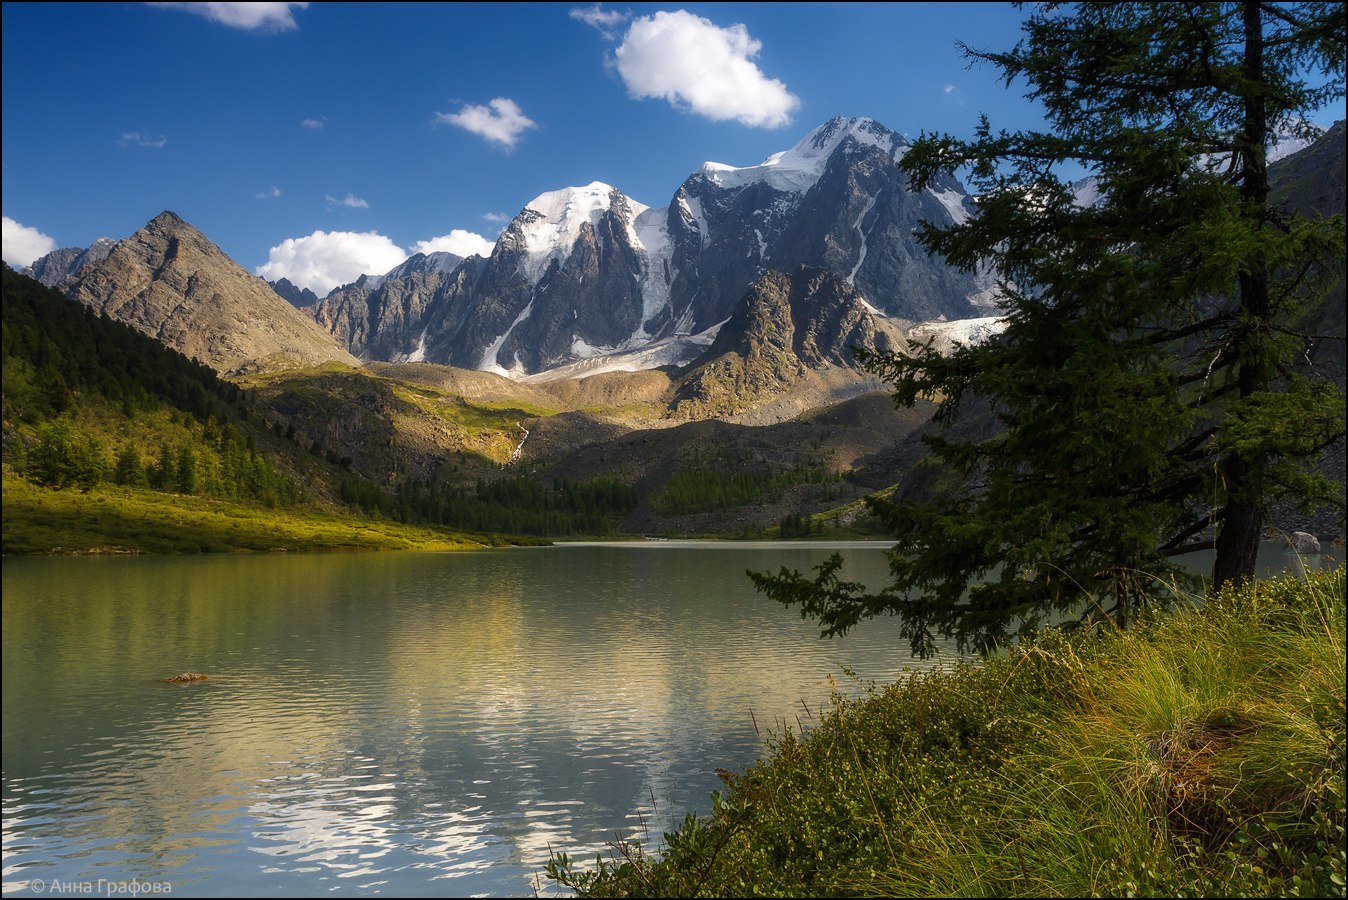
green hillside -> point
(114, 443)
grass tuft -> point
(1201, 753)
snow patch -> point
(953, 201)
(799, 169)
(691, 208)
(560, 216)
(671, 351)
(489, 362)
(1086, 192)
(946, 336)
(650, 235)
(861, 258)
(419, 354)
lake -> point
(410, 724)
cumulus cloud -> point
(605, 21)
(501, 121)
(248, 16)
(267, 195)
(460, 242)
(326, 259)
(500, 218)
(698, 66)
(140, 140)
(314, 124)
(350, 200)
(22, 244)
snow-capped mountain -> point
(588, 273)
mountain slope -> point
(170, 282)
(786, 332)
(54, 268)
(585, 274)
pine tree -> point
(1146, 390)
(130, 471)
(187, 471)
(165, 472)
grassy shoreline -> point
(111, 520)
(1201, 753)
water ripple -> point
(415, 724)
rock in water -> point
(187, 678)
(1305, 544)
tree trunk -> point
(1243, 517)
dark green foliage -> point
(187, 471)
(794, 526)
(1145, 386)
(703, 487)
(65, 458)
(53, 346)
(57, 352)
(164, 475)
(130, 471)
(512, 505)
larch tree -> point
(1147, 391)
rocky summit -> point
(169, 281)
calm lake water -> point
(410, 724)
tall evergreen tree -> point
(187, 470)
(1146, 386)
(130, 471)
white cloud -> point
(140, 140)
(501, 121)
(22, 244)
(460, 242)
(248, 16)
(602, 20)
(500, 218)
(699, 66)
(948, 89)
(326, 259)
(350, 200)
(267, 195)
(314, 124)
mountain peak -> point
(799, 169)
(170, 281)
(168, 219)
(832, 132)
(551, 223)
(578, 203)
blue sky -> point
(349, 117)
(394, 125)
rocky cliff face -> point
(787, 328)
(54, 268)
(585, 273)
(172, 283)
(295, 296)
(384, 317)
